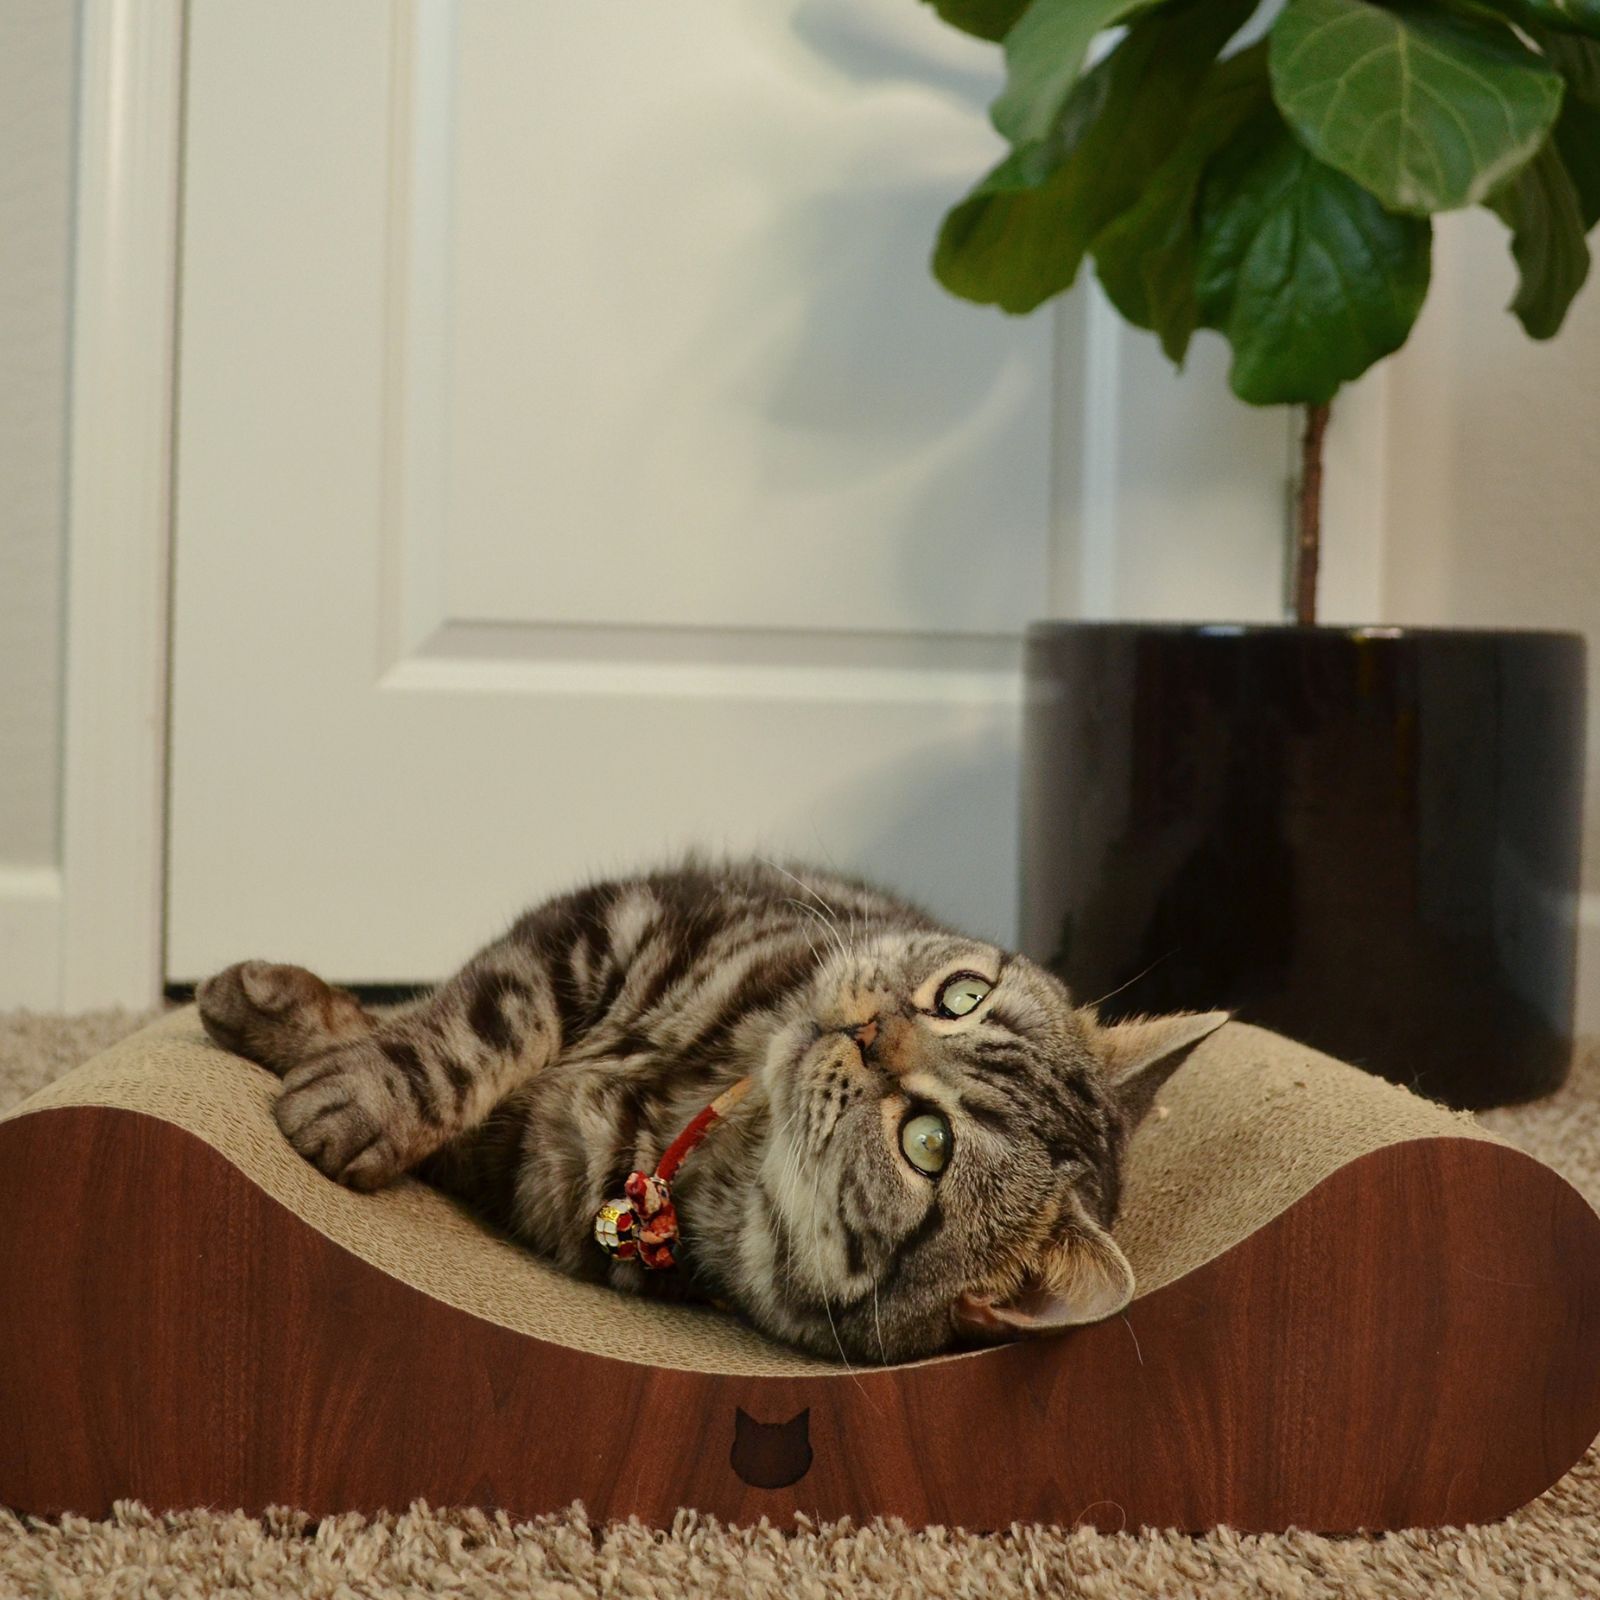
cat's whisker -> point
(822, 1280)
(829, 914)
(818, 1265)
(829, 929)
(816, 955)
(1133, 980)
(794, 1186)
(778, 867)
(787, 1182)
(1135, 1337)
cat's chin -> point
(882, 1345)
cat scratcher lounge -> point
(1355, 1310)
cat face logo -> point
(771, 1455)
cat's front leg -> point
(366, 1098)
(353, 1116)
(278, 1015)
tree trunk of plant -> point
(1308, 516)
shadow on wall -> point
(954, 380)
(930, 413)
(878, 358)
(948, 834)
(868, 43)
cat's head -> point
(944, 1156)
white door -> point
(576, 462)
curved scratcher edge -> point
(1248, 1126)
(1409, 1343)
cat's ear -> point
(1139, 1056)
(1083, 1278)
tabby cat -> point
(929, 1151)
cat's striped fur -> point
(574, 1049)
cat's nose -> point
(865, 1035)
(885, 1043)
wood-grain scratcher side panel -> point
(1412, 1343)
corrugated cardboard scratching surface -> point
(1251, 1123)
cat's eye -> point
(964, 992)
(925, 1138)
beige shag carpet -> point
(1552, 1548)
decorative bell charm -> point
(614, 1230)
(642, 1226)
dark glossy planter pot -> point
(1367, 839)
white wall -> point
(1169, 492)
(37, 44)
(1493, 482)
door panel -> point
(708, 352)
(577, 463)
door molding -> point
(130, 119)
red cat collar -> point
(643, 1226)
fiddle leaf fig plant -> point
(1280, 191)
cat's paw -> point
(246, 1006)
(340, 1113)
(275, 1014)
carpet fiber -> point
(1551, 1548)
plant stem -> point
(1308, 516)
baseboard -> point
(30, 938)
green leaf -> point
(1305, 274)
(988, 19)
(1017, 239)
(1044, 60)
(1571, 16)
(1577, 137)
(1577, 60)
(1428, 111)
(1542, 208)
(1021, 234)
(1549, 206)
(1145, 259)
